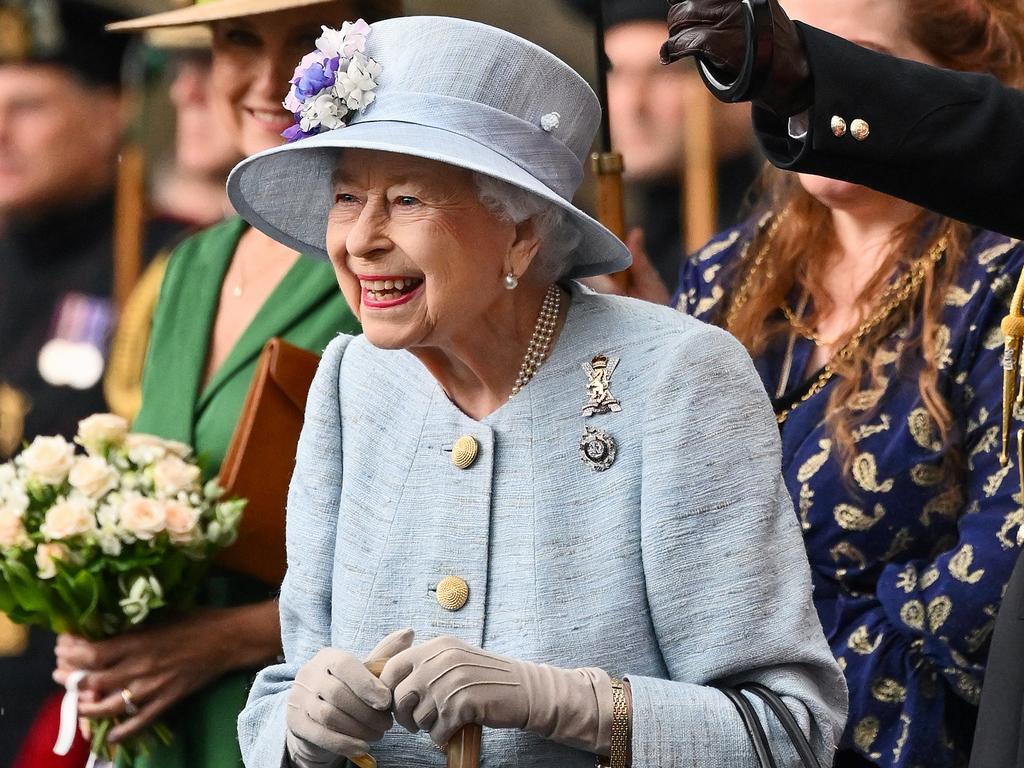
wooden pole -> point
(129, 222)
(699, 174)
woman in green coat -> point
(226, 292)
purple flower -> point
(315, 78)
(295, 133)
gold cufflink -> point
(465, 451)
(452, 593)
(838, 126)
(860, 129)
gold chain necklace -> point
(895, 295)
(898, 293)
(540, 341)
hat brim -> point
(286, 192)
(207, 12)
(190, 38)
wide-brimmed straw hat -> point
(204, 11)
(454, 91)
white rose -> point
(182, 522)
(101, 430)
(15, 498)
(12, 529)
(8, 474)
(172, 475)
(67, 518)
(143, 518)
(49, 459)
(92, 476)
(47, 556)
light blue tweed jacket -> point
(679, 565)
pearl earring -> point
(511, 281)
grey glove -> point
(336, 707)
(444, 684)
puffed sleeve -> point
(305, 601)
(704, 274)
(916, 653)
(725, 568)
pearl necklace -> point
(540, 341)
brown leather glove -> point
(716, 32)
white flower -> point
(144, 594)
(110, 543)
(15, 498)
(49, 459)
(145, 449)
(356, 84)
(12, 529)
(8, 474)
(343, 42)
(47, 556)
(108, 517)
(172, 475)
(142, 518)
(67, 518)
(324, 110)
(93, 476)
(182, 522)
(101, 430)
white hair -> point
(558, 234)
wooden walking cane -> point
(1013, 376)
(606, 163)
(463, 750)
(699, 172)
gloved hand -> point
(336, 707)
(444, 684)
(715, 31)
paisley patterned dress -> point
(908, 567)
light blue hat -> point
(458, 92)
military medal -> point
(597, 449)
(74, 355)
(599, 375)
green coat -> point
(306, 309)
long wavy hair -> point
(969, 35)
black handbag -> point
(762, 747)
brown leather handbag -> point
(261, 457)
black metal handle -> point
(757, 62)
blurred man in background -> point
(648, 106)
(61, 123)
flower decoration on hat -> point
(333, 82)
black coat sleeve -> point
(948, 141)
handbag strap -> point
(789, 723)
(758, 738)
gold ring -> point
(130, 707)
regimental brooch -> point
(597, 449)
(599, 376)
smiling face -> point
(253, 59)
(876, 24)
(418, 256)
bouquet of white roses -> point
(96, 543)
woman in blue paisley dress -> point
(875, 327)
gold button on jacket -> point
(465, 451)
(838, 126)
(860, 129)
(452, 593)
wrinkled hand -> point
(715, 31)
(336, 707)
(160, 666)
(444, 684)
(644, 281)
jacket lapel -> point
(192, 306)
(306, 285)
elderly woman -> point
(573, 501)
